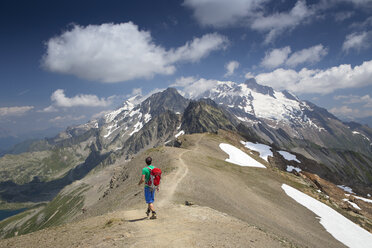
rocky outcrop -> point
(205, 116)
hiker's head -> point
(148, 160)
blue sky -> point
(66, 62)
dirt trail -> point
(171, 185)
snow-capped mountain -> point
(250, 101)
(271, 111)
(257, 113)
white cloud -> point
(67, 118)
(341, 16)
(222, 13)
(59, 99)
(276, 23)
(197, 49)
(353, 99)
(193, 87)
(357, 41)
(120, 52)
(135, 92)
(260, 15)
(249, 75)
(15, 111)
(276, 57)
(309, 55)
(280, 56)
(100, 114)
(350, 112)
(318, 81)
(49, 109)
(231, 67)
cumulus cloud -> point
(350, 112)
(276, 57)
(254, 14)
(353, 99)
(341, 16)
(120, 52)
(197, 49)
(283, 56)
(221, 13)
(318, 81)
(59, 99)
(309, 55)
(231, 67)
(357, 41)
(15, 111)
(193, 87)
(276, 23)
(260, 15)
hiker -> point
(151, 177)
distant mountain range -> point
(258, 113)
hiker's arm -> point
(142, 180)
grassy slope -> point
(46, 165)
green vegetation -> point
(42, 216)
(46, 165)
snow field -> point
(288, 156)
(290, 168)
(346, 189)
(352, 204)
(341, 228)
(363, 199)
(264, 150)
(179, 134)
(237, 156)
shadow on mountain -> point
(37, 191)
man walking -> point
(149, 191)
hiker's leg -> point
(151, 207)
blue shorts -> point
(149, 195)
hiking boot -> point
(148, 212)
(153, 216)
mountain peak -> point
(168, 99)
(253, 85)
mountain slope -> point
(234, 206)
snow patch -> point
(111, 129)
(147, 117)
(180, 133)
(137, 127)
(133, 112)
(264, 150)
(364, 199)
(237, 156)
(346, 189)
(352, 204)
(365, 137)
(337, 225)
(290, 168)
(288, 156)
(127, 106)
